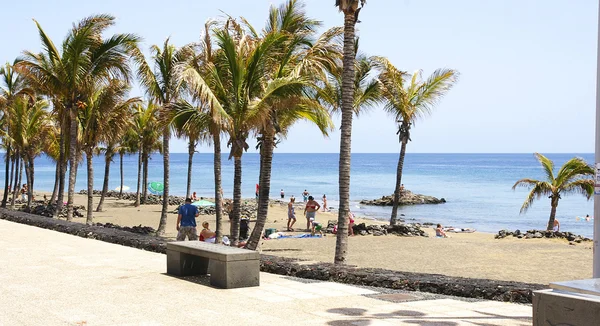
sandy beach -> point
(474, 255)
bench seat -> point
(229, 267)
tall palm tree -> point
(351, 9)
(69, 76)
(144, 136)
(185, 124)
(103, 116)
(241, 72)
(299, 60)
(203, 82)
(115, 125)
(164, 86)
(574, 177)
(409, 98)
(12, 85)
(30, 127)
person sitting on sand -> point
(206, 234)
(291, 214)
(194, 197)
(186, 221)
(439, 232)
(556, 227)
(310, 211)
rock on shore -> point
(406, 198)
(538, 234)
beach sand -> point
(473, 255)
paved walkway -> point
(51, 278)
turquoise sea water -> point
(476, 186)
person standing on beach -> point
(291, 214)
(305, 195)
(186, 221)
(324, 203)
(310, 211)
(282, 194)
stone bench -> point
(229, 267)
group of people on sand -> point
(310, 212)
(186, 225)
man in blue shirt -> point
(186, 221)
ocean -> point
(477, 187)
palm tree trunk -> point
(341, 245)
(218, 188)
(6, 177)
(63, 172)
(191, 150)
(554, 204)
(27, 180)
(121, 171)
(73, 164)
(234, 218)
(12, 171)
(145, 180)
(56, 181)
(107, 159)
(393, 218)
(165, 204)
(20, 172)
(16, 181)
(139, 178)
(266, 154)
(90, 186)
(29, 172)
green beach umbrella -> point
(156, 188)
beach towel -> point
(299, 236)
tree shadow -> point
(362, 317)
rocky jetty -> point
(47, 210)
(405, 230)
(152, 199)
(539, 234)
(406, 198)
(135, 229)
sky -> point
(527, 68)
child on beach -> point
(291, 214)
(439, 232)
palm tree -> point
(69, 76)
(201, 76)
(12, 85)
(144, 137)
(351, 9)
(30, 127)
(299, 61)
(114, 125)
(574, 177)
(240, 76)
(409, 98)
(164, 86)
(103, 117)
(185, 123)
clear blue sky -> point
(528, 68)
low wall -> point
(433, 283)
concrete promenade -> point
(50, 278)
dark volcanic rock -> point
(406, 198)
(538, 234)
